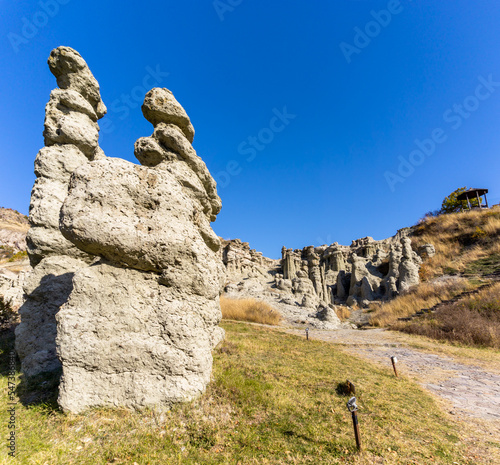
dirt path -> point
(468, 389)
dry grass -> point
(250, 310)
(459, 238)
(343, 312)
(273, 400)
(474, 321)
(424, 296)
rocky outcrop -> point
(13, 229)
(71, 135)
(365, 271)
(125, 293)
(308, 284)
(250, 274)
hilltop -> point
(459, 297)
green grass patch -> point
(274, 399)
(484, 266)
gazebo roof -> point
(471, 193)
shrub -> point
(18, 256)
(251, 310)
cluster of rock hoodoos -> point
(307, 284)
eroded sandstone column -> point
(71, 136)
(140, 324)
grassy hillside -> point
(467, 256)
(13, 229)
(274, 399)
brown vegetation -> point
(251, 310)
(424, 296)
(473, 321)
(344, 312)
(460, 239)
(467, 245)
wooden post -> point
(486, 200)
(351, 388)
(353, 408)
(394, 360)
(468, 202)
(307, 334)
(356, 429)
(479, 201)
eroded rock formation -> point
(365, 271)
(71, 139)
(307, 284)
(125, 291)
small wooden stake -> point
(351, 388)
(394, 361)
(307, 333)
(353, 408)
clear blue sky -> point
(307, 122)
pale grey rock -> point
(409, 267)
(11, 287)
(426, 251)
(160, 106)
(58, 162)
(47, 197)
(64, 125)
(43, 242)
(364, 272)
(173, 140)
(139, 325)
(328, 314)
(72, 72)
(140, 217)
(127, 341)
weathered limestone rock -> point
(72, 73)
(125, 293)
(47, 287)
(328, 314)
(71, 134)
(243, 262)
(160, 106)
(126, 340)
(11, 287)
(364, 272)
(161, 278)
(141, 217)
(426, 251)
(409, 267)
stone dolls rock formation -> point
(307, 284)
(365, 271)
(125, 291)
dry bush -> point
(473, 321)
(424, 296)
(251, 310)
(343, 312)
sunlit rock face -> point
(125, 294)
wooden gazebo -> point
(470, 194)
